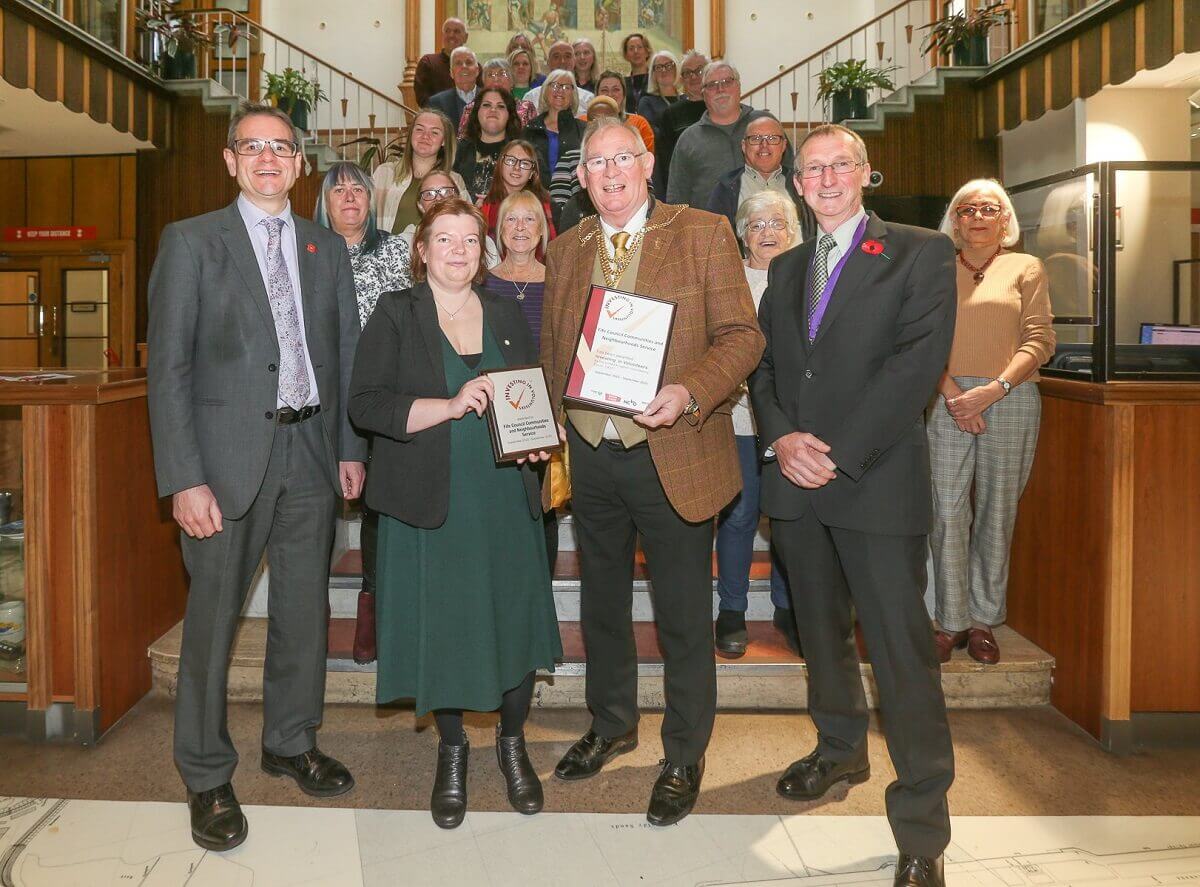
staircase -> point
(767, 677)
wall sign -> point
(86, 232)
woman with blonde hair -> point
(662, 90)
(983, 427)
(430, 146)
(557, 135)
(587, 64)
(516, 170)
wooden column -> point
(716, 16)
(412, 51)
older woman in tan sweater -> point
(983, 427)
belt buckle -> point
(306, 413)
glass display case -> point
(1123, 266)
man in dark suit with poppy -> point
(859, 322)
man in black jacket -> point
(464, 68)
(763, 147)
(858, 323)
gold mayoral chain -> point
(614, 270)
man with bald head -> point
(433, 70)
(763, 147)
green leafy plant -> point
(960, 28)
(842, 77)
(178, 31)
(292, 87)
(377, 153)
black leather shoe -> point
(448, 803)
(785, 621)
(730, 630)
(675, 792)
(591, 752)
(809, 778)
(217, 820)
(315, 772)
(524, 787)
(919, 871)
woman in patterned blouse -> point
(381, 263)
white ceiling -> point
(30, 126)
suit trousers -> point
(830, 568)
(617, 495)
(292, 520)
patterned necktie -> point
(618, 241)
(293, 376)
(820, 274)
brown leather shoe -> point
(948, 642)
(982, 646)
(364, 629)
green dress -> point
(465, 611)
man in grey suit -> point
(858, 322)
(252, 331)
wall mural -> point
(605, 22)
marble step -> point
(768, 676)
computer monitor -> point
(1169, 334)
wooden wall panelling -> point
(1035, 90)
(60, 531)
(149, 561)
(1090, 55)
(96, 83)
(1060, 76)
(1056, 592)
(45, 65)
(73, 78)
(990, 99)
(1118, 585)
(1191, 25)
(81, 433)
(1122, 45)
(48, 191)
(140, 115)
(1166, 560)
(1160, 32)
(1012, 100)
(128, 214)
(38, 606)
(12, 186)
(97, 194)
(17, 37)
(120, 102)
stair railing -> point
(892, 39)
(243, 52)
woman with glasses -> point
(767, 225)
(637, 50)
(466, 612)
(613, 85)
(983, 427)
(492, 124)
(662, 90)
(429, 146)
(587, 65)
(516, 171)
(434, 189)
(380, 263)
(556, 134)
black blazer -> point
(450, 103)
(400, 360)
(726, 197)
(863, 385)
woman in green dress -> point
(464, 609)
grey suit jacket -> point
(213, 353)
(863, 385)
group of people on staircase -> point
(859, 382)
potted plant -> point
(963, 36)
(845, 85)
(295, 94)
(377, 153)
(178, 37)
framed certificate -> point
(621, 353)
(520, 417)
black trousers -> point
(616, 495)
(884, 577)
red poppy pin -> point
(312, 248)
(872, 247)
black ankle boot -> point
(524, 787)
(448, 803)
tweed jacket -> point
(689, 257)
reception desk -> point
(1106, 557)
(96, 567)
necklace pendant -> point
(979, 277)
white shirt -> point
(252, 216)
(635, 224)
(467, 97)
(842, 235)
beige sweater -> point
(1006, 313)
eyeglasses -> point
(759, 225)
(839, 167)
(517, 163)
(439, 193)
(691, 73)
(664, 66)
(987, 210)
(764, 140)
(561, 87)
(254, 147)
(623, 160)
(719, 85)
